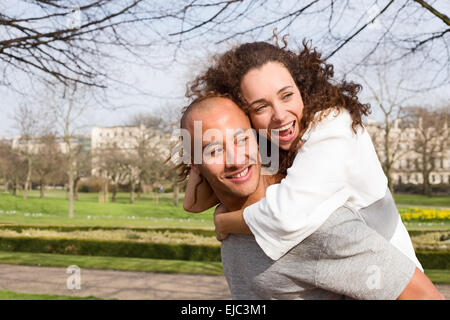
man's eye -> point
(242, 140)
(216, 151)
(287, 96)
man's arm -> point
(420, 288)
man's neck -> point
(234, 203)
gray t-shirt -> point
(344, 258)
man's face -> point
(230, 161)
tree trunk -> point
(390, 183)
(426, 184)
(114, 193)
(28, 180)
(75, 188)
(132, 186)
(15, 187)
(42, 189)
(70, 196)
(139, 191)
(71, 180)
(106, 189)
(176, 188)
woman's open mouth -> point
(286, 132)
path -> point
(114, 284)
(121, 284)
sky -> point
(162, 82)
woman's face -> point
(275, 103)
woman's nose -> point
(277, 113)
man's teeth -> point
(284, 128)
(239, 175)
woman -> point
(327, 156)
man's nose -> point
(236, 156)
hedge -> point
(415, 233)
(429, 259)
(20, 228)
(112, 248)
(434, 259)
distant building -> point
(402, 140)
(33, 144)
(126, 140)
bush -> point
(20, 228)
(90, 184)
(434, 260)
(112, 248)
(411, 188)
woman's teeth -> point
(286, 127)
(239, 175)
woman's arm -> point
(229, 222)
(198, 196)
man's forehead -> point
(219, 113)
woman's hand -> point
(218, 215)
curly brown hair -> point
(312, 75)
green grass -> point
(112, 263)
(10, 295)
(438, 276)
(422, 200)
(427, 226)
(53, 209)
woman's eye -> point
(259, 108)
(287, 96)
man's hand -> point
(220, 210)
(198, 196)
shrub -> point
(90, 184)
(434, 259)
(112, 248)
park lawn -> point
(10, 295)
(427, 226)
(422, 200)
(52, 210)
(112, 263)
(438, 276)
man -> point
(343, 258)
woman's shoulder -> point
(330, 121)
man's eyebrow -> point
(264, 100)
(211, 144)
(238, 132)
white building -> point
(126, 140)
(402, 146)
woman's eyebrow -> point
(284, 88)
